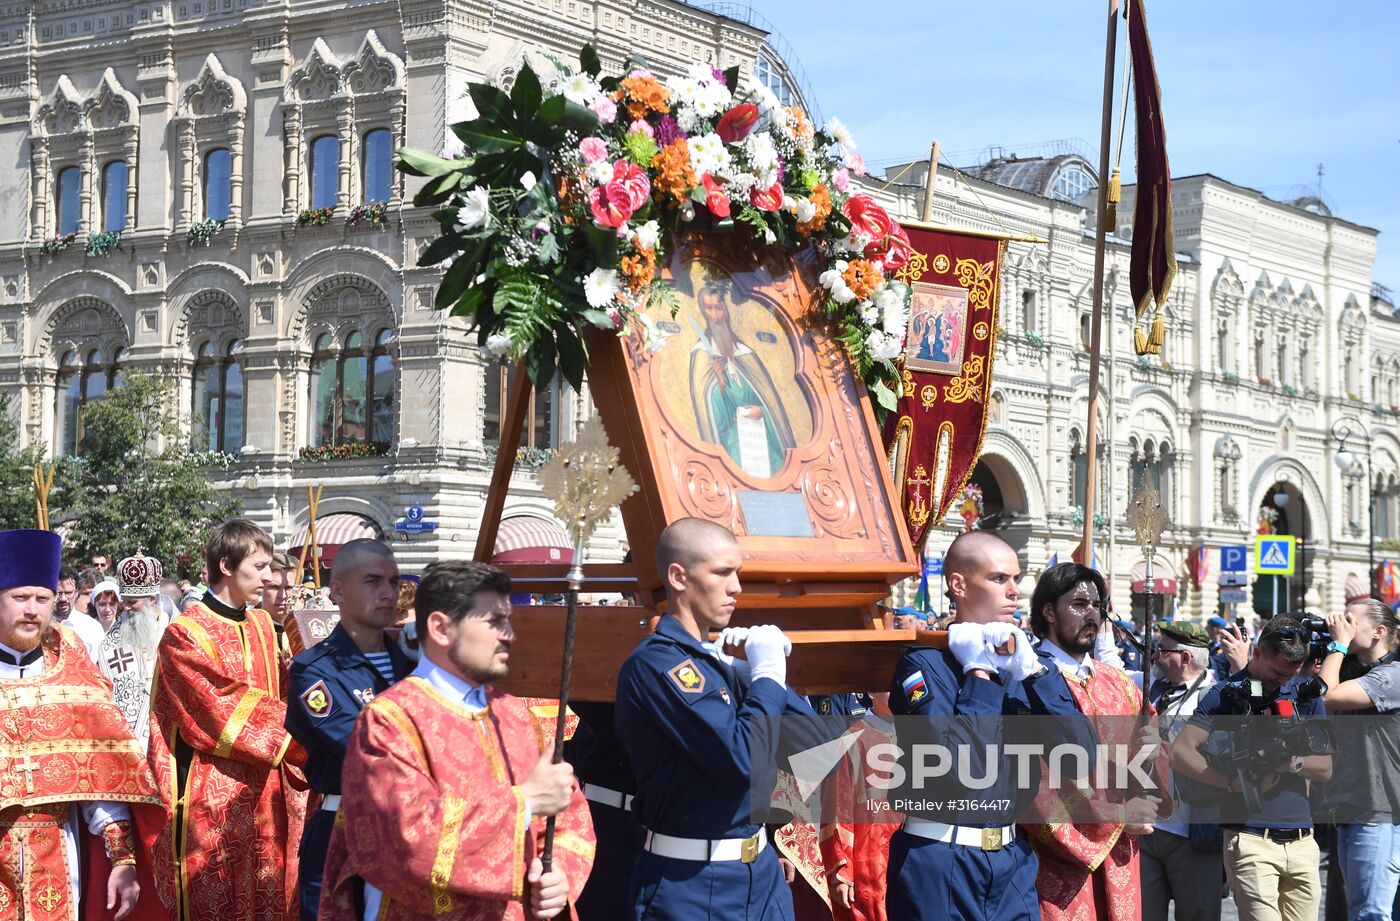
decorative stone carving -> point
(373, 69)
(318, 76)
(111, 106)
(213, 92)
(62, 111)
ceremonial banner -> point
(1152, 265)
(935, 434)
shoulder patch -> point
(317, 700)
(915, 687)
(824, 706)
(688, 678)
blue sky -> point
(1258, 92)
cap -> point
(106, 585)
(28, 557)
(1217, 622)
(139, 576)
(1185, 632)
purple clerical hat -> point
(29, 557)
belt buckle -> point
(748, 852)
(991, 839)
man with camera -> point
(1271, 857)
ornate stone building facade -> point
(1275, 334)
(204, 191)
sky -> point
(1258, 92)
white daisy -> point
(475, 211)
(600, 287)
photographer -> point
(1363, 674)
(1271, 859)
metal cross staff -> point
(586, 482)
(1148, 520)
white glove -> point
(968, 644)
(996, 634)
(733, 636)
(1022, 663)
(1105, 650)
(766, 649)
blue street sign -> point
(1234, 558)
(415, 527)
(933, 565)
(414, 513)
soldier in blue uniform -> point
(605, 775)
(333, 681)
(699, 729)
(970, 864)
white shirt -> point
(1083, 667)
(473, 698)
(88, 628)
(96, 815)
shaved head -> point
(352, 555)
(688, 541)
(981, 570)
(970, 549)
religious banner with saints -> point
(934, 436)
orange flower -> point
(646, 94)
(801, 128)
(639, 269)
(674, 176)
(821, 198)
(862, 278)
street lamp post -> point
(1343, 430)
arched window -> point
(1028, 311)
(114, 178)
(66, 204)
(218, 398)
(1071, 184)
(77, 383)
(381, 389)
(325, 171)
(218, 179)
(378, 156)
(768, 75)
(539, 431)
(352, 391)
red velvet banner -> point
(935, 435)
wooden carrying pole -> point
(310, 546)
(512, 427)
(927, 214)
(1096, 318)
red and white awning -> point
(334, 531)
(530, 539)
(1163, 577)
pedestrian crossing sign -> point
(1274, 554)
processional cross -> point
(1148, 520)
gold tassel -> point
(1139, 341)
(1159, 333)
(1115, 195)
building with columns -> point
(206, 193)
(1275, 335)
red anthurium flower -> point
(634, 179)
(736, 124)
(867, 217)
(767, 199)
(715, 199)
(611, 204)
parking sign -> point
(1234, 558)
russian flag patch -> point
(915, 688)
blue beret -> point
(29, 557)
(1216, 622)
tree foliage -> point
(17, 509)
(138, 486)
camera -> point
(1259, 747)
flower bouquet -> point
(572, 189)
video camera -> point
(1259, 747)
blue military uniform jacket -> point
(330, 684)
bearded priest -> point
(222, 759)
(67, 758)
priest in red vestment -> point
(1087, 843)
(448, 782)
(67, 759)
(223, 761)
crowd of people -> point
(165, 754)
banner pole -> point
(927, 214)
(1096, 318)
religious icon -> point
(937, 335)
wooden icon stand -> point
(796, 471)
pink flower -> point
(857, 163)
(842, 179)
(611, 204)
(640, 126)
(593, 149)
(715, 199)
(634, 179)
(603, 107)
